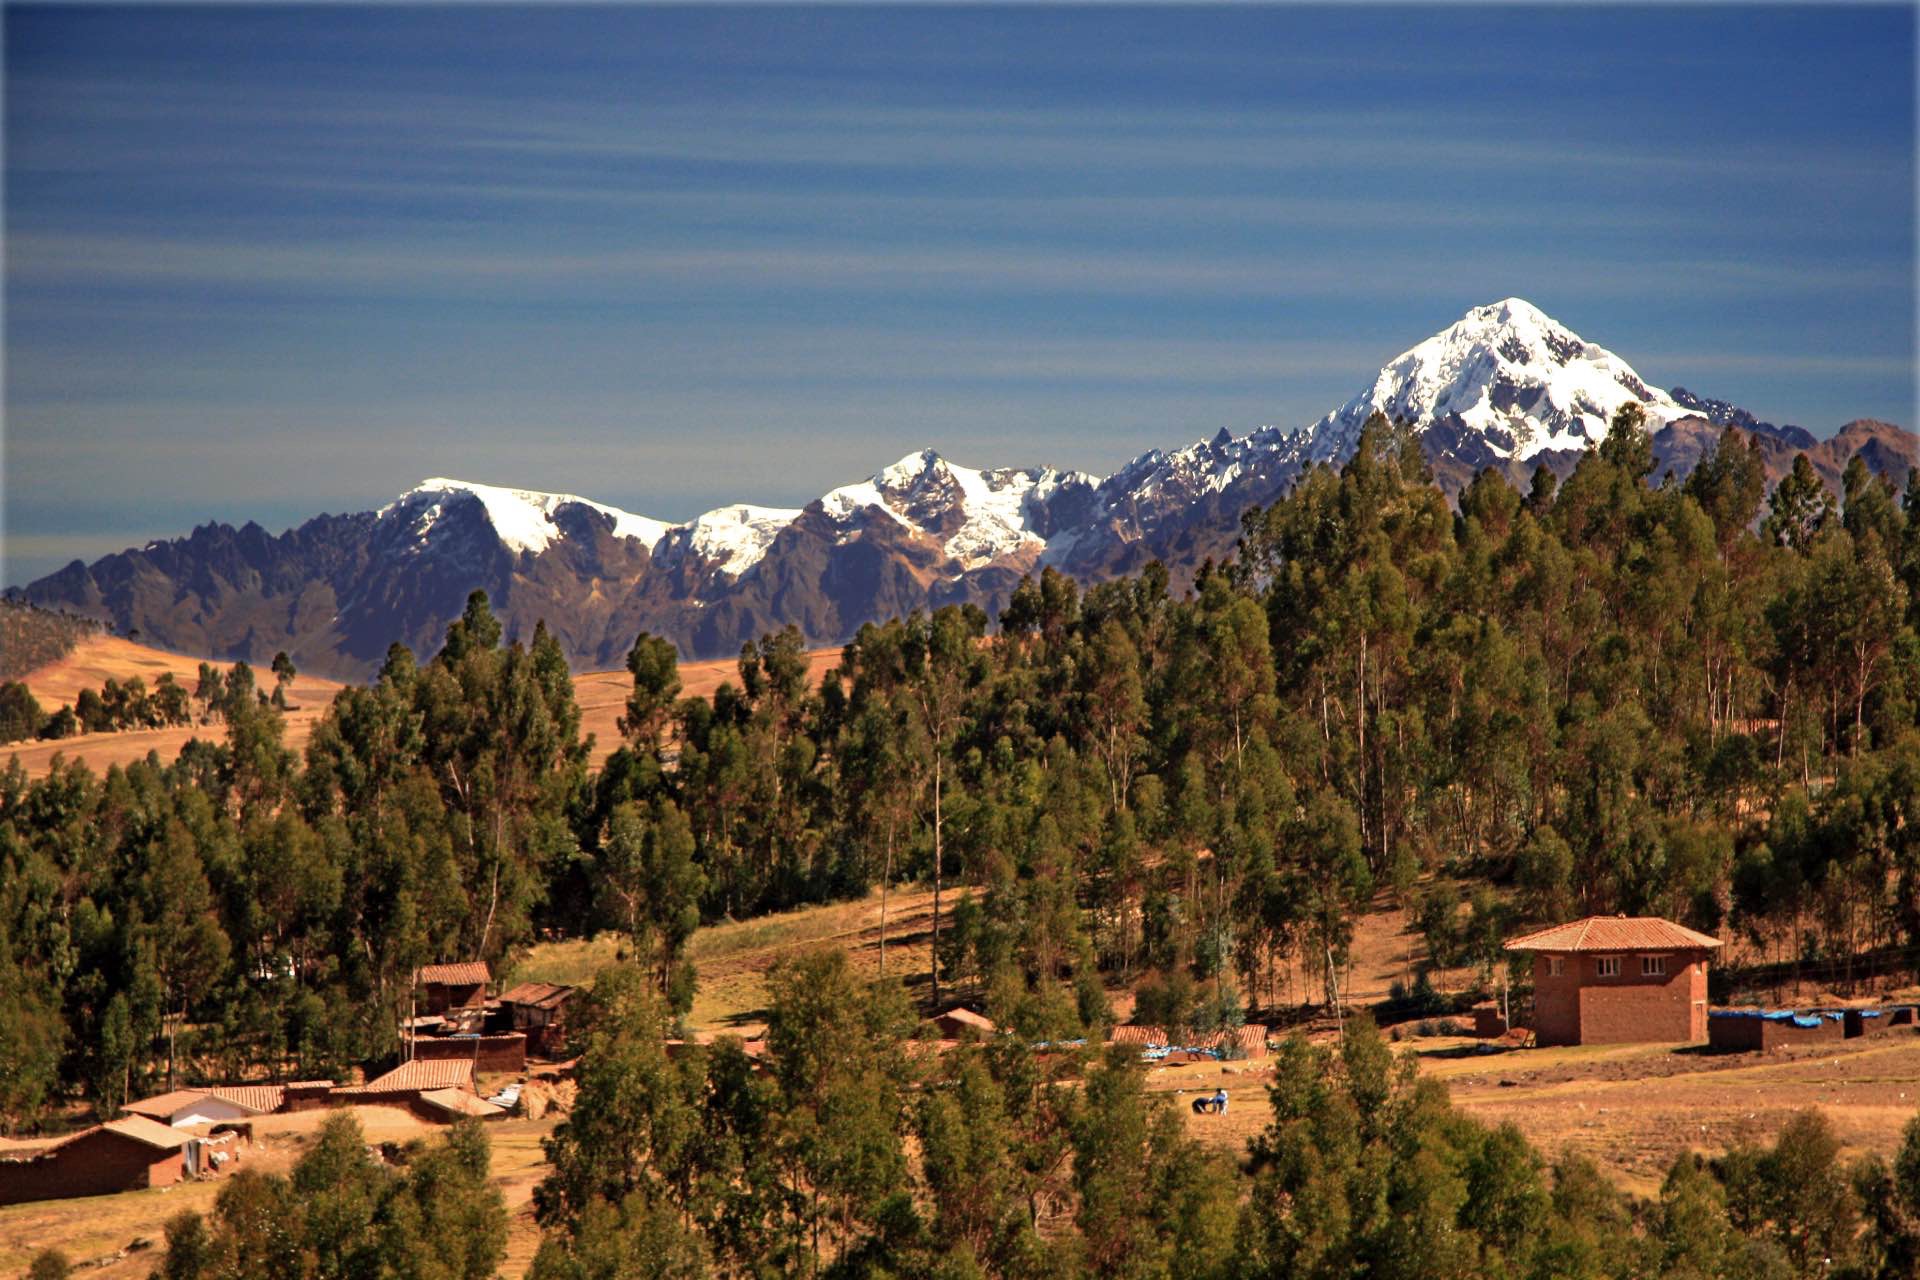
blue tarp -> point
(1780, 1015)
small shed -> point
(404, 1085)
(1618, 980)
(120, 1155)
(453, 986)
(538, 1010)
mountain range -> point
(1504, 387)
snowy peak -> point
(524, 519)
(975, 516)
(736, 538)
(1509, 379)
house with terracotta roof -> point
(120, 1155)
(210, 1104)
(1618, 980)
(445, 987)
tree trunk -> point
(935, 965)
(886, 883)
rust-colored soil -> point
(96, 659)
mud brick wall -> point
(1579, 1006)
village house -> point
(538, 1010)
(120, 1155)
(1618, 980)
(446, 988)
(210, 1104)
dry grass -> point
(96, 659)
(734, 957)
(1630, 1108)
(94, 1230)
(602, 695)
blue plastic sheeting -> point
(1778, 1015)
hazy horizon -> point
(263, 262)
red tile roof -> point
(257, 1098)
(142, 1130)
(153, 1134)
(467, 973)
(1613, 933)
(966, 1018)
(538, 995)
(421, 1074)
(1252, 1038)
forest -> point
(1611, 694)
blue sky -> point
(267, 262)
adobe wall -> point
(1746, 1034)
(98, 1165)
(487, 1053)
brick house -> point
(1618, 980)
(120, 1155)
(448, 987)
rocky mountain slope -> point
(1505, 387)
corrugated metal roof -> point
(467, 973)
(1614, 933)
(459, 1102)
(538, 995)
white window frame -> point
(1606, 966)
(1653, 966)
(1556, 966)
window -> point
(1607, 967)
(1556, 966)
(1653, 966)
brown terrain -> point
(1630, 1108)
(96, 659)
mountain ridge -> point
(1506, 387)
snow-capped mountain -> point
(1505, 386)
(1505, 381)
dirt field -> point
(1631, 1108)
(602, 696)
(96, 659)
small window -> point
(1607, 967)
(1653, 966)
(1556, 966)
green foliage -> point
(341, 1214)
